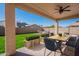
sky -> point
(31, 18)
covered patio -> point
(36, 51)
(43, 9)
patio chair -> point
(71, 46)
(77, 48)
(72, 42)
(51, 45)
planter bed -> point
(32, 41)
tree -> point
(21, 25)
(52, 26)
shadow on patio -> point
(21, 54)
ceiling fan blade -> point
(66, 7)
(67, 10)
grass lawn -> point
(19, 41)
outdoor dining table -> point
(59, 38)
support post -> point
(69, 30)
(10, 39)
(56, 27)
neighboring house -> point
(29, 28)
(35, 27)
(76, 24)
(74, 28)
(52, 30)
(2, 23)
(21, 28)
(2, 30)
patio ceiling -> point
(48, 10)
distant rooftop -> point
(76, 24)
(2, 23)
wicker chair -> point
(51, 45)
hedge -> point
(36, 36)
(28, 38)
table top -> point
(60, 38)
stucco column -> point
(56, 27)
(10, 39)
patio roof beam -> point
(69, 17)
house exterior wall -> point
(28, 29)
(74, 30)
(61, 30)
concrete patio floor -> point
(36, 51)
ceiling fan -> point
(62, 9)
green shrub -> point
(36, 36)
(45, 35)
(28, 38)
